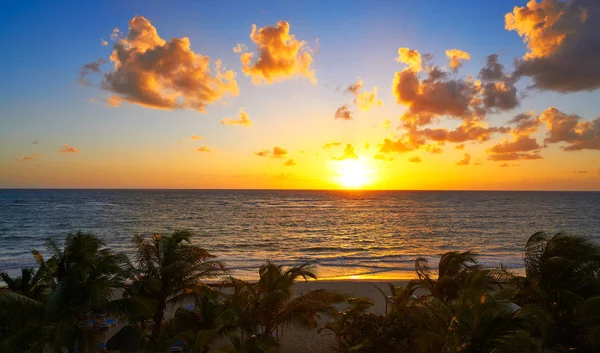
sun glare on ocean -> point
(353, 173)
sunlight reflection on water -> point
(356, 233)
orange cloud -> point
(348, 153)
(103, 42)
(68, 149)
(363, 100)
(579, 134)
(460, 146)
(456, 57)
(279, 152)
(263, 153)
(343, 113)
(405, 144)
(31, 157)
(563, 42)
(465, 161)
(415, 159)
(194, 137)
(154, 73)
(431, 95)
(280, 56)
(410, 57)
(244, 120)
(290, 163)
(433, 149)
(526, 124)
(203, 149)
(331, 144)
(382, 157)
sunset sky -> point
(306, 94)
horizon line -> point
(275, 189)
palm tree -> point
(562, 274)
(269, 306)
(170, 269)
(353, 325)
(457, 270)
(210, 320)
(475, 323)
(81, 279)
(29, 283)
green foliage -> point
(458, 307)
(169, 271)
(78, 280)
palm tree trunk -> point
(158, 317)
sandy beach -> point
(295, 340)
(303, 341)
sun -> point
(353, 173)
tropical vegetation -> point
(174, 293)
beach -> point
(304, 341)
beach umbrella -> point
(126, 340)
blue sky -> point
(47, 43)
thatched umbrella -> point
(126, 340)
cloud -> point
(348, 153)
(410, 57)
(279, 152)
(456, 57)
(154, 73)
(415, 159)
(401, 145)
(115, 33)
(563, 43)
(280, 56)
(290, 163)
(68, 149)
(581, 172)
(354, 88)
(36, 142)
(367, 145)
(460, 146)
(194, 137)
(522, 144)
(506, 165)
(30, 157)
(386, 124)
(203, 149)
(103, 42)
(240, 48)
(493, 70)
(263, 153)
(343, 113)
(465, 161)
(513, 156)
(332, 144)
(433, 149)
(382, 157)
(244, 120)
(579, 134)
(93, 67)
(431, 95)
(465, 132)
(363, 100)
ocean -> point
(346, 234)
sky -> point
(398, 95)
